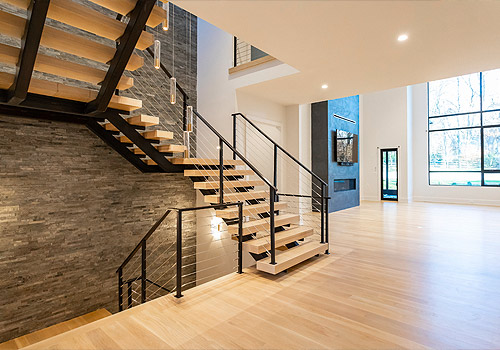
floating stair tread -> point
(52, 65)
(263, 224)
(54, 89)
(249, 210)
(54, 330)
(236, 196)
(263, 244)
(212, 173)
(210, 185)
(85, 18)
(291, 257)
(163, 149)
(123, 7)
(14, 26)
(204, 161)
(158, 135)
(143, 120)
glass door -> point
(389, 158)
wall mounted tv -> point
(346, 147)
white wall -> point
(383, 124)
(398, 118)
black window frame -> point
(481, 127)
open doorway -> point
(389, 175)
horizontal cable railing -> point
(243, 52)
(180, 255)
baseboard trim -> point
(489, 202)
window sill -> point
(251, 64)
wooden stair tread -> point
(52, 65)
(204, 161)
(236, 196)
(14, 26)
(158, 135)
(291, 257)
(249, 210)
(123, 7)
(214, 173)
(163, 149)
(143, 120)
(263, 224)
(50, 88)
(54, 330)
(208, 185)
(263, 244)
(85, 18)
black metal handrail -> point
(274, 143)
(142, 245)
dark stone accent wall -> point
(71, 210)
(323, 128)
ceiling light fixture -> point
(324, 86)
(403, 37)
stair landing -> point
(49, 332)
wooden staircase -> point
(119, 121)
(49, 332)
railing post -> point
(235, 55)
(178, 293)
(272, 197)
(234, 134)
(327, 239)
(322, 209)
(240, 237)
(221, 171)
(120, 289)
(275, 173)
(143, 272)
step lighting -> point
(173, 90)
(186, 143)
(216, 227)
(166, 7)
(189, 118)
(157, 54)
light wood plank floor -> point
(400, 276)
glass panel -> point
(455, 179)
(457, 121)
(491, 118)
(491, 90)
(492, 148)
(455, 150)
(384, 166)
(393, 170)
(492, 179)
(454, 95)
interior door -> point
(389, 176)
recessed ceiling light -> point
(324, 86)
(403, 37)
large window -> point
(464, 130)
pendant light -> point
(166, 7)
(173, 90)
(157, 54)
(189, 118)
(186, 144)
(173, 81)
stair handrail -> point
(275, 144)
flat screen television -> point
(346, 147)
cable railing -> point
(145, 275)
(243, 52)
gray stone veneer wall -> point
(71, 209)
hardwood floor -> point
(400, 276)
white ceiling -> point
(352, 45)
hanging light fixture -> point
(186, 144)
(157, 54)
(164, 24)
(173, 90)
(189, 118)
